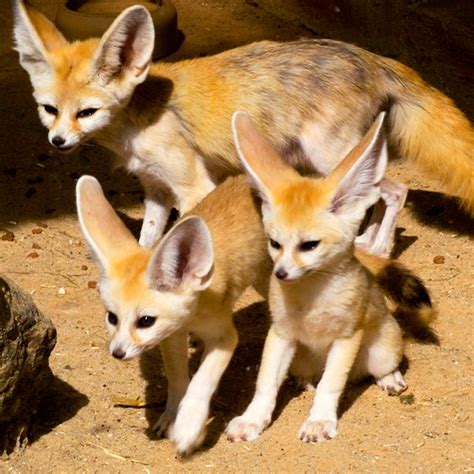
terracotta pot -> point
(82, 19)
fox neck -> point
(114, 136)
(149, 101)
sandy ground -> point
(80, 429)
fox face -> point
(74, 108)
(148, 294)
(303, 237)
(139, 316)
(80, 86)
(311, 223)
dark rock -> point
(26, 341)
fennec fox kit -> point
(169, 123)
(188, 282)
(329, 317)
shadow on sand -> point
(60, 404)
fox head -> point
(148, 293)
(80, 86)
(311, 223)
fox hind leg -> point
(380, 356)
(378, 237)
(306, 367)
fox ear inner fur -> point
(184, 258)
(35, 36)
(126, 47)
(357, 178)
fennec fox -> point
(169, 123)
(188, 282)
(329, 317)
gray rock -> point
(26, 341)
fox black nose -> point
(118, 353)
(281, 274)
(58, 141)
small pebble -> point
(37, 230)
(408, 399)
(92, 284)
(438, 259)
(42, 225)
(8, 236)
(61, 291)
(84, 267)
(36, 246)
(33, 255)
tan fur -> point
(297, 201)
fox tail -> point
(431, 131)
(414, 310)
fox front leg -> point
(158, 203)
(378, 236)
(174, 351)
(189, 428)
(277, 355)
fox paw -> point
(186, 440)
(305, 383)
(189, 429)
(313, 431)
(392, 383)
(242, 429)
(164, 422)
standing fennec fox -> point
(329, 317)
(169, 122)
(189, 282)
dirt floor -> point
(81, 429)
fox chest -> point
(316, 325)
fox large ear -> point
(105, 233)
(357, 178)
(184, 258)
(260, 159)
(35, 37)
(126, 47)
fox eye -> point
(50, 109)
(309, 245)
(274, 244)
(112, 318)
(86, 113)
(145, 322)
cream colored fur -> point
(328, 313)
